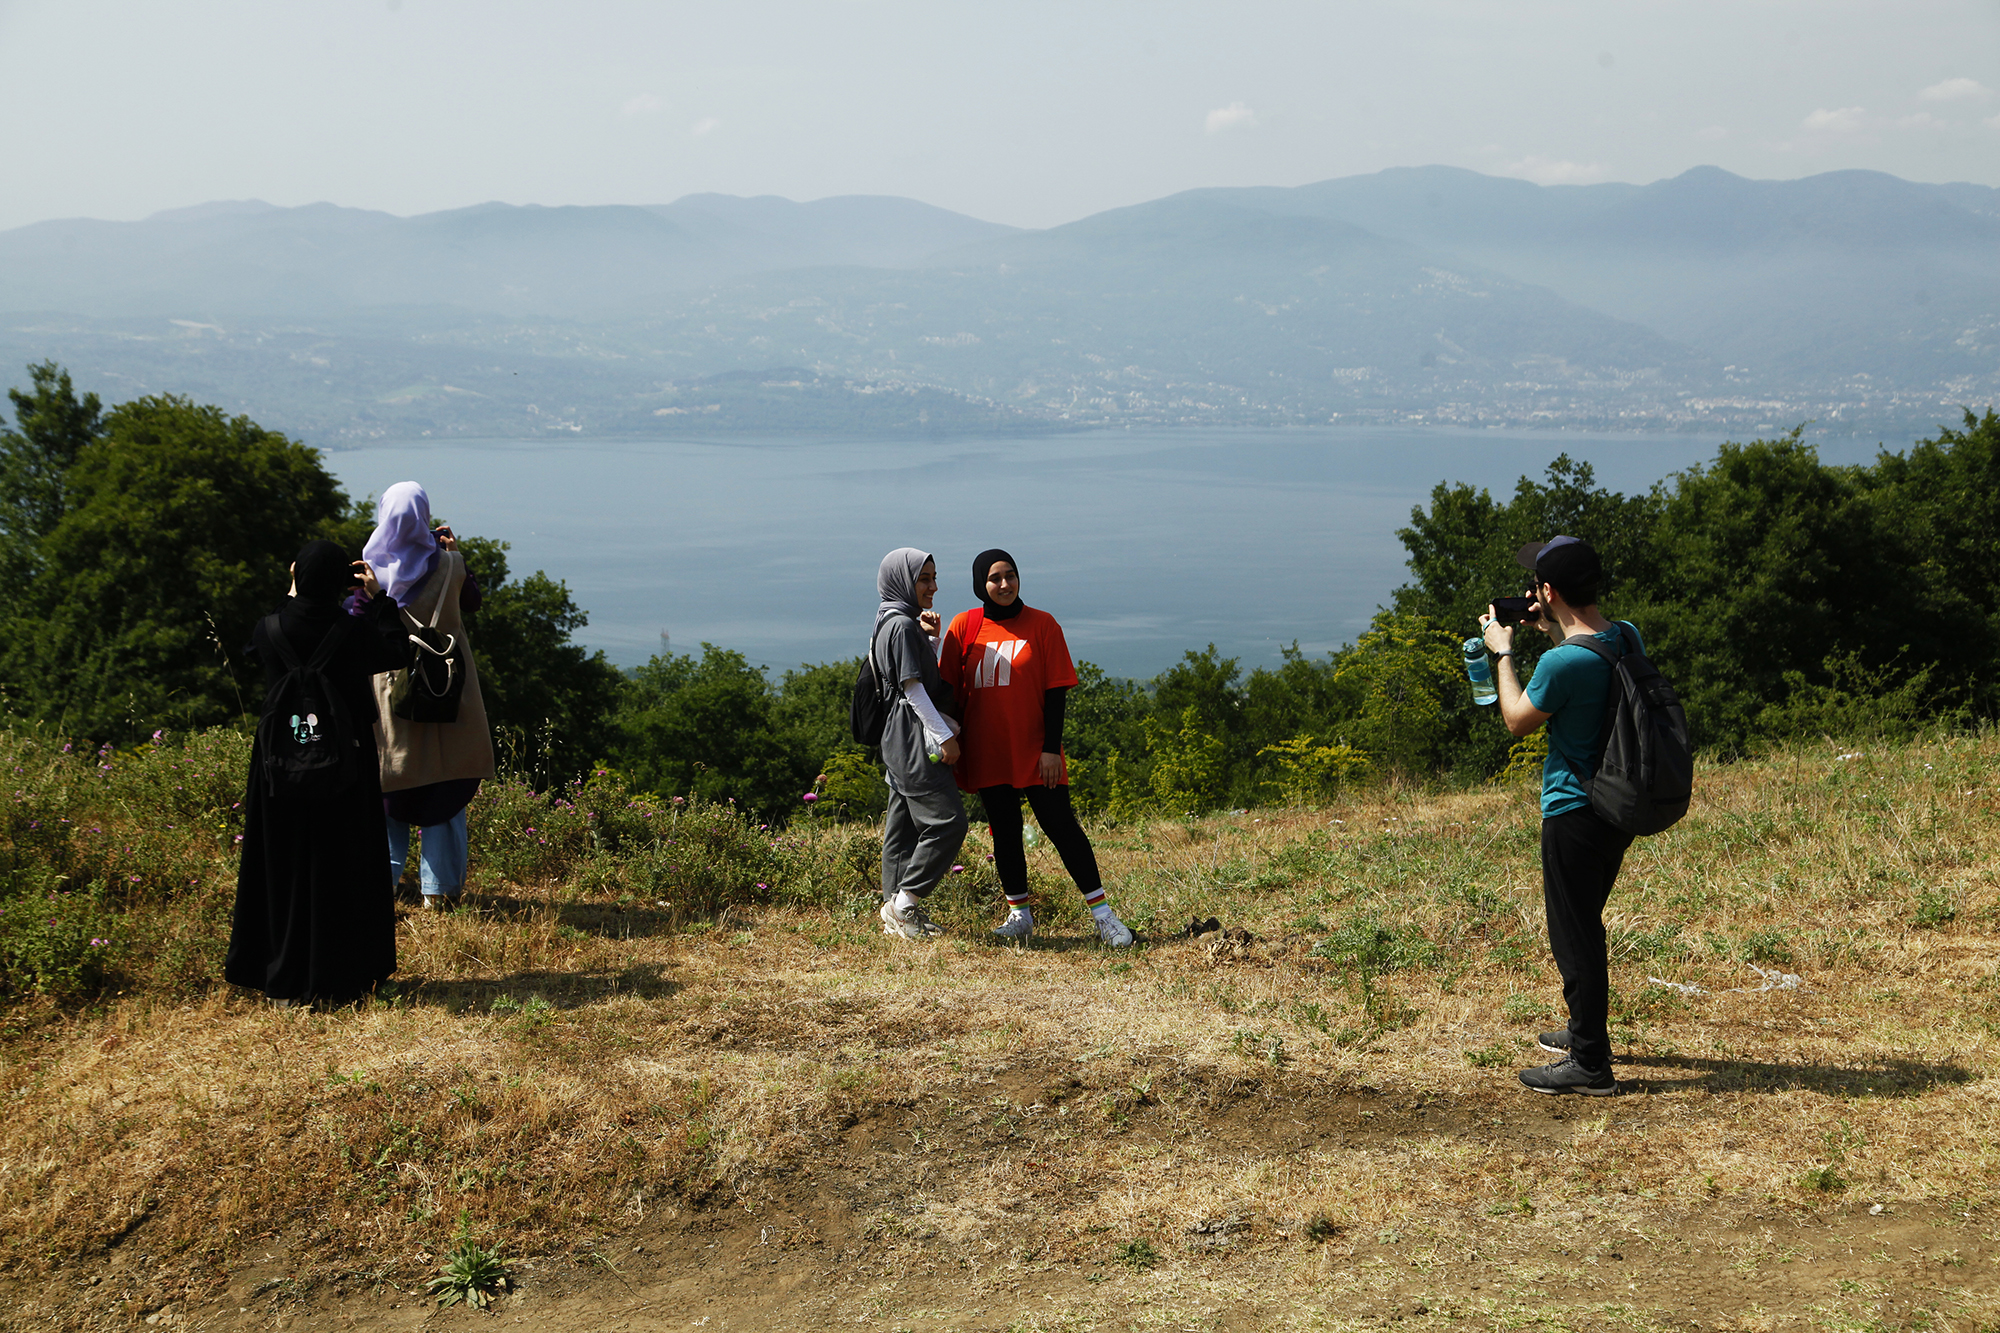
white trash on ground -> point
(1773, 980)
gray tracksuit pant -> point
(921, 835)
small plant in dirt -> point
(528, 1014)
(1366, 944)
(1322, 1229)
(1261, 1046)
(1524, 1009)
(471, 1273)
(1386, 1010)
(1490, 1056)
(1934, 910)
(1823, 1179)
(1138, 1255)
(1766, 946)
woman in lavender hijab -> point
(430, 770)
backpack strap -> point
(1626, 634)
(882, 683)
(444, 589)
(280, 645)
(975, 621)
(1626, 643)
(336, 635)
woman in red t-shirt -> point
(1011, 670)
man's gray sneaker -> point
(912, 922)
(1017, 926)
(1566, 1075)
(1555, 1043)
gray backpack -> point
(1644, 777)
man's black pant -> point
(1580, 859)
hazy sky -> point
(1019, 111)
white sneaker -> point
(912, 922)
(1115, 933)
(1019, 925)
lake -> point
(1143, 543)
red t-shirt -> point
(999, 682)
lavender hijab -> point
(401, 549)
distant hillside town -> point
(1433, 295)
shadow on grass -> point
(1887, 1078)
(1084, 941)
(557, 990)
(609, 920)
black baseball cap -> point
(1563, 561)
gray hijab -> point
(896, 583)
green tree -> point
(1462, 549)
(810, 711)
(1407, 670)
(54, 426)
(707, 726)
(1190, 763)
(1774, 570)
(1211, 685)
(1104, 728)
(177, 527)
(1937, 513)
(1309, 771)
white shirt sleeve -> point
(939, 727)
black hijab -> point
(982, 564)
(323, 575)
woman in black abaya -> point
(315, 911)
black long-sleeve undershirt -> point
(1053, 704)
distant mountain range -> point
(1427, 294)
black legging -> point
(1058, 820)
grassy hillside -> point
(669, 1063)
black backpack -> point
(1645, 761)
(306, 737)
(868, 712)
(429, 688)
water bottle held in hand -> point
(1479, 670)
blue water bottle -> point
(1479, 670)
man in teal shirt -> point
(1581, 853)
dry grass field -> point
(774, 1117)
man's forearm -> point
(1520, 716)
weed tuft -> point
(1934, 910)
(471, 1274)
(1138, 1255)
(1365, 944)
(1766, 946)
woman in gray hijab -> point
(925, 824)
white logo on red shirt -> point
(996, 666)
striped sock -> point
(1094, 899)
(1017, 904)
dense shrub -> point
(1784, 597)
(595, 836)
(55, 940)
